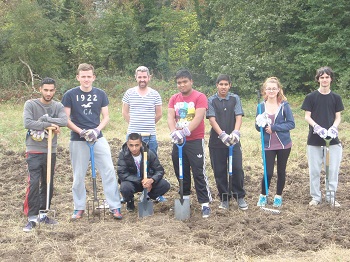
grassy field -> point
(299, 234)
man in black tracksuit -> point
(225, 116)
(130, 171)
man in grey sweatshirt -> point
(38, 115)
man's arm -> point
(105, 118)
(126, 113)
(158, 113)
(215, 125)
(309, 119)
(238, 123)
(70, 124)
(337, 119)
(171, 119)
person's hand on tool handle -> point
(90, 135)
(235, 136)
(225, 138)
(319, 130)
(332, 132)
(55, 128)
(178, 135)
(147, 183)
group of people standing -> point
(84, 110)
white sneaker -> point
(313, 202)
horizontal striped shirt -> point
(142, 110)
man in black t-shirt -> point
(323, 114)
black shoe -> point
(130, 206)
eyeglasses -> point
(271, 89)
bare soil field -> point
(299, 233)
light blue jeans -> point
(80, 158)
(316, 156)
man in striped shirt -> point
(142, 108)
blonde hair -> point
(85, 67)
(280, 95)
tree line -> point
(249, 40)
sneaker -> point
(262, 201)
(77, 214)
(223, 205)
(277, 201)
(313, 202)
(242, 204)
(48, 221)
(205, 211)
(116, 213)
(130, 206)
(30, 225)
(161, 199)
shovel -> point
(182, 206)
(145, 207)
(329, 193)
(94, 204)
(230, 193)
(48, 174)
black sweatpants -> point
(128, 189)
(219, 163)
(282, 158)
(193, 158)
(36, 193)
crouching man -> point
(130, 171)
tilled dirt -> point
(227, 235)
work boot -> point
(130, 206)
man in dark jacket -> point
(130, 171)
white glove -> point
(235, 136)
(262, 120)
(92, 134)
(178, 135)
(225, 138)
(332, 132)
(322, 132)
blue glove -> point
(225, 138)
(322, 132)
(178, 135)
(332, 132)
(235, 136)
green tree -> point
(28, 35)
(323, 39)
